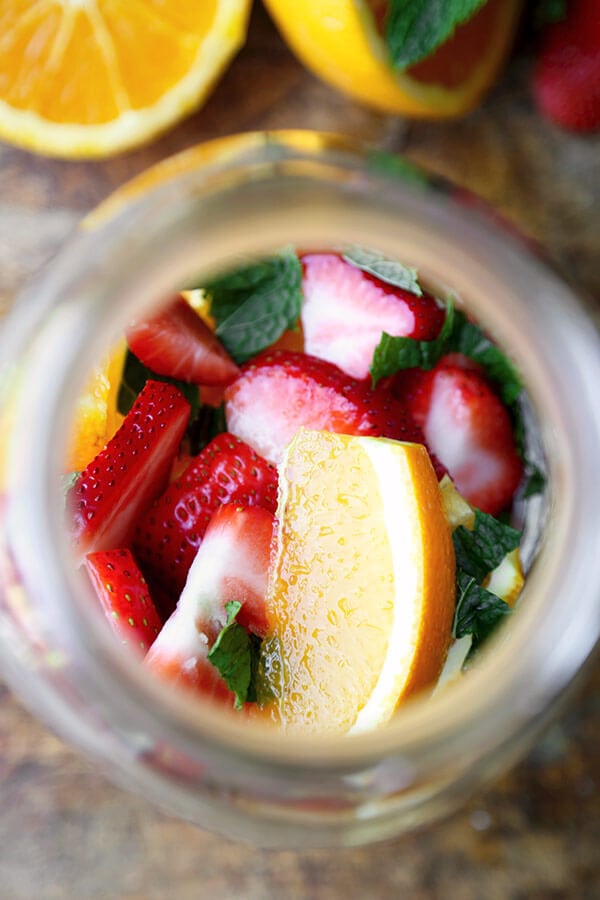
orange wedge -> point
(96, 415)
(361, 597)
(340, 41)
(94, 77)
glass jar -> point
(190, 216)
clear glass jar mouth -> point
(517, 679)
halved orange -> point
(340, 41)
(93, 77)
(361, 597)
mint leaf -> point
(534, 481)
(482, 549)
(415, 28)
(547, 12)
(255, 304)
(387, 269)
(235, 655)
(478, 612)
(134, 377)
(458, 335)
(392, 354)
(380, 162)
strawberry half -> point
(121, 482)
(345, 311)
(176, 342)
(232, 563)
(280, 392)
(226, 471)
(123, 593)
(566, 81)
(468, 428)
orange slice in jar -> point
(361, 597)
(341, 42)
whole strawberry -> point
(566, 81)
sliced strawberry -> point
(281, 391)
(176, 342)
(232, 563)
(122, 481)
(123, 593)
(566, 81)
(469, 429)
(346, 310)
(226, 471)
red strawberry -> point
(232, 563)
(169, 534)
(281, 391)
(132, 470)
(345, 312)
(469, 429)
(123, 593)
(176, 342)
(566, 81)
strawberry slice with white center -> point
(281, 391)
(232, 564)
(169, 534)
(121, 482)
(345, 311)
(177, 342)
(468, 428)
(123, 594)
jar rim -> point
(517, 677)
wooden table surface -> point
(67, 833)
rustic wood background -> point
(64, 831)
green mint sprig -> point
(235, 655)
(387, 270)
(479, 552)
(482, 549)
(253, 305)
(393, 354)
(415, 28)
(478, 611)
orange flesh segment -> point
(88, 63)
(359, 614)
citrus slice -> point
(94, 77)
(340, 41)
(361, 597)
(96, 414)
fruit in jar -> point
(97, 417)
(123, 593)
(226, 471)
(282, 391)
(345, 311)
(178, 343)
(231, 565)
(361, 598)
(324, 593)
(119, 484)
(467, 426)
